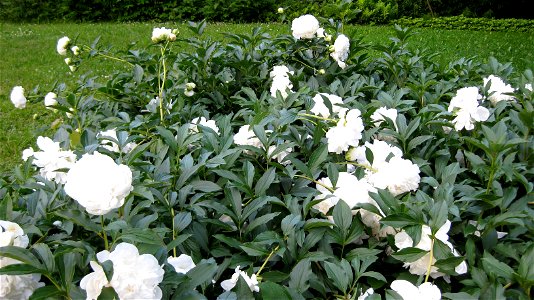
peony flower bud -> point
(75, 50)
(280, 10)
(62, 45)
(321, 72)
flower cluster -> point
(426, 263)
(464, 105)
(15, 286)
(498, 90)
(347, 132)
(63, 47)
(98, 184)
(51, 160)
(135, 276)
(181, 264)
(305, 27)
(281, 82)
(251, 281)
(160, 35)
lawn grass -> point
(28, 58)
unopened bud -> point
(332, 48)
(328, 37)
(280, 10)
(321, 71)
(68, 61)
(175, 31)
(75, 50)
(190, 86)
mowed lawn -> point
(28, 58)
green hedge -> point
(464, 23)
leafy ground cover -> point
(305, 165)
(29, 60)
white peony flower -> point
(246, 136)
(51, 159)
(163, 35)
(280, 71)
(372, 221)
(17, 97)
(63, 45)
(112, 146)
(181, 264)
(498, 89)
(408, 291)
(252, 281)
(465, 106)
(280, 156)
(305, 27)
(11, 234)
(341, 50)
(347, 132)
(282, 84)
(204, 122)
(98, 184)
(75, 50)
(134, 276)
(26, 153)
(50, 99)
(320, 109)
(280, 10)
(382, 113)
(528, 86)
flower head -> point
(465, 106)
(204, 122)
(50, 100)
(305, 27)
(17, 97)
(251, 281)
(347, 132)
(320, 109)
(51, 159)
(163, 34)
(408, 291)
(498, 89)
(98, 184)
(280, 10)
(75, 50)
(382, 113)
(181, 264)
(341, 50)
(63, 45)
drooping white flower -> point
(347, 132)
(498, 89)
(135, 276)
(181, 264)
(163, 35)
(98, 184)
(420, 266)
(341, 50)
(305, 27)
(52, 160)
(348, 188)
(408, 291)
(382, 113)
(465, 106)
(251, 281)
(17, 97)
(204, 122)
(320, 109)
(112, 146)
(50, 100)
(63, 45)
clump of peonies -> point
(340, 50)
(111, 145)
(498, 90)
(347, 132)
(388, 170)
(63, 45)
(421, 266)
(17, 97)
(51, 159)
(305, 27)
(252, 281)
(98, 184)
(319, 107)
(181, 264)
(281, 82)
(408, 291)
(466, 109)
(15, 286)
(134, 276)
(160, 35)
(193, 126)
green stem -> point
(107, 56)
(162, 83)
(430, 260)
(266, 260)
(104, 234)
(173, 232)
(330, 189)
(492, 175)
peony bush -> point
(303, 166)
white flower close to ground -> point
(135, 276)
(498, 89)
(346, 133)
(163, 35)
(17, 97)
(305, 27)
(420, 266)
(15, 287)
(63, 45)
(51, 159)
(181, 264)
(341, 50)
(50, 100)
(252, 281)
(320, 109)
(203, 122)
(464, 105)
(111, 145)
(408, 291)
(98, 184)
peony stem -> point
(430, 260)
(266, 260)
(162, 84)
(104, 234)
(173, 232)
(330, 189)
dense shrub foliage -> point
(463, 23)
(354, 11)
(285, 167)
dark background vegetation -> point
(372, 11)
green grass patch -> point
(29, 58)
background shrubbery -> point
(372, 11)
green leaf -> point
(168, 137)
(274, 276)
(262, 220)
(46, 256)
(374, 275)
(318, 157)
(399, 220)
(79, 218)
(526, 266)
(138, 73)
(409, 254)
(67, 267)
(141, 235)
(316, 223)
(174, 243)
(300, 276)
(205, 186)
(342, 216)
(337, 274)
(418, 141)
(243, 290)
(21, 254)
(19, 269)
(438, 215)
(448, 264)
(46, 293)
(495, 267)
(264, 182)
(272, 291)
(182, 220)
